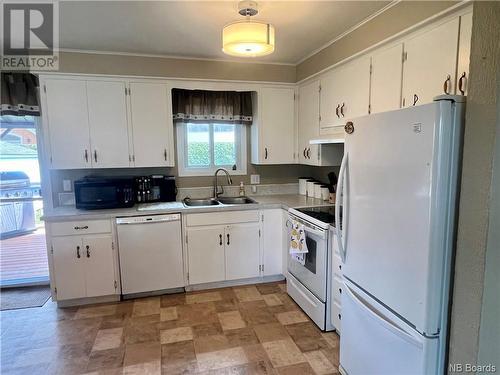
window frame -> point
(241, 152)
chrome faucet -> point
(216, 185)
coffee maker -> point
(155, 188)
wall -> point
(93, 63)
(479, 139)
(394, 20)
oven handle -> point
(339, 193)
(309, 227)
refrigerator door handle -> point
(341, 226)
(393, 327)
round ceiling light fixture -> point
(248, 38)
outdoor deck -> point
(24, 258)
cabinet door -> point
(68, 128)
(69, 267)
(464, 54)
(333, 86)
(273, 241)
(355, 88)
(99, 265)
(152, 127)
(430, 64)
(108, 124)
(242, 243)
(308, 122)
(206, 254)
(386, 78)
(277, 126)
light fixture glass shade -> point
(248, 39)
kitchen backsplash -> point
(275, 179)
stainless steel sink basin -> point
(200, 202)
(236, 200)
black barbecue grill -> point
(16, 205)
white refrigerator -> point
(398, 187)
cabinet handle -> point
(78, 251)
(340, 317)
(340, 290)
(305, 156)
(415, 99)
(165, 154)
(461, 83)
(84, 227)
(88, 251)
(340, 266)
(342, 109)
(265, 150)
(337, 110)
(228, 239)
(220, 239)
(86, 156)
(309, 153)
(446, 83)
(95, 156)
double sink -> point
(207, 202)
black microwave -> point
(93, 193)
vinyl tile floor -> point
(252, 329)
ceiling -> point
(193, 28)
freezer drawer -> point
(373, 341)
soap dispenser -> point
(242, 189)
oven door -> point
(313, 273)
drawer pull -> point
(84, 227)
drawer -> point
(337, 317)
(68, 228)
(337, 290)
(222, 217)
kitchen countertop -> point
(263, 202)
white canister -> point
(317, 190)
(303, 185)
(310, 188)
(325, 193)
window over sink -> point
(202, 148)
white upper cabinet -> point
(107, 112)
(152, 124)
(345, 93)
(386, 74)
(67, 116)
(430, 64)
(308, 121)
(464, 54)
(273, 131)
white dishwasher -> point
(150, 251)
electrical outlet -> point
(255, 178)
(67, 185)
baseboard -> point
(230, 283)
(88, 301)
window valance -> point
(233, 107)
(19, 94)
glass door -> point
(23, 252)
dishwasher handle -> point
(150, 219)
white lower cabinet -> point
(205, 254)
(272, 228)
(242, 251)
(233, 245)
(82, 265)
